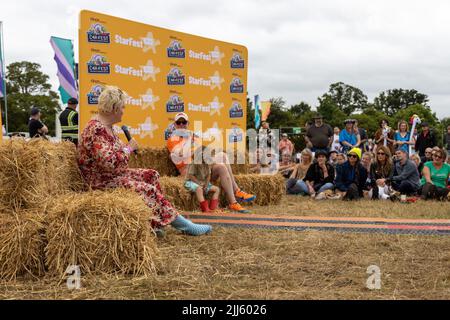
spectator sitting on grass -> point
(416, 159)
(435, 176)
(382, 168)
(351, 176)
(320, 176)
(341, 159)
(295, 183)
(406, 175)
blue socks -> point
(187, 226)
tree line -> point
(343, 101)
(28, 86)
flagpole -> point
(4, 77)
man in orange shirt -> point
(181, 145)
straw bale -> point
(174, 190)
(101, 232)
(156, 158)
(22, 243)
(268, 189)
(32, 171)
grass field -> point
(234, 263)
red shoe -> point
(213, 204)
(204, 206)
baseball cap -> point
(425, 124)
(317, 116)
(321, 153)
(72, 101)
(34, 111)
(181, 115)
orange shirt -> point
(181, 150)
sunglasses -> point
(181, 122)
(427, 152)
(381, 153)
(352, 156)
(437, 156)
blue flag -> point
(257, 108)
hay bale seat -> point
(158, 158)
(22, 242)
(32, 171)
(268, 189)
(101, 232)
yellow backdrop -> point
(164, 72)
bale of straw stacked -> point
(154, 158)
(174, 191)
(22, 243)
(268, 189)
(33, 171)
(101, 232)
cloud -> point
(296, 49)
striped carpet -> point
(343, 224)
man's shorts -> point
(192, 186)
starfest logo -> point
(236, 86)
(175, 104)
(98, 64)
(213, 56)
(236, 110)
(95, 92)
(175, 50)
(215, 81)
(175, 77)
(98, 34)
(237, 62)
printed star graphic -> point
(149, 100)
(150, 43)
(216, 81)
(213, 134)
(147, 128)
(215, 106)
(216, 56)
(150, 71)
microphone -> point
(127, 134)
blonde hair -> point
(307, 152)
(415, 156)
(111, 99)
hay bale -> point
(269, 189)
(101, 232)
(22, 243)
(174, 190)
(32, 171)
(154, 158)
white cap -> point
(181, 115)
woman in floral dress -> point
(103, 161)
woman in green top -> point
(435, 177)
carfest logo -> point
(236, 110)
(95, 92)
(175, 77)
(175, 104)
(175, 50)
(98, 64)
(98, 34)
(235, 135)
(237, 62)
(236, 86)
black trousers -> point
(404, 187)
(353, 192)
(430, 191)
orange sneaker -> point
(242, 196)
(237, 207)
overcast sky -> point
(296, 48)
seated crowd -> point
(347, 165)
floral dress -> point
(103, 161)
